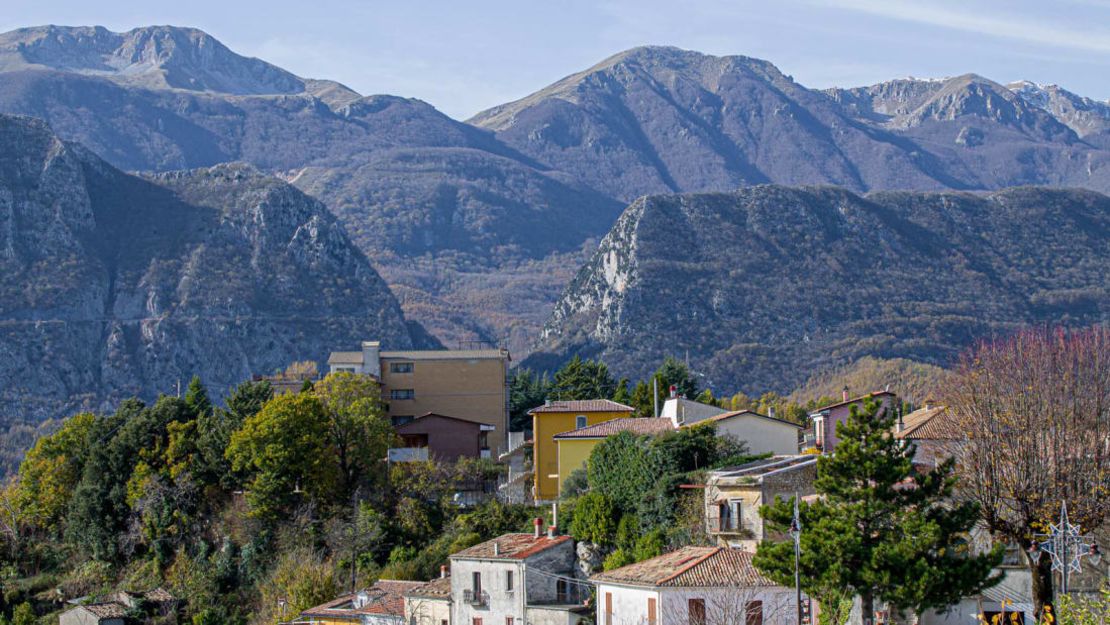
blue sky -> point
(466, 56)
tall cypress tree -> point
(881, 530)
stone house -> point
(734, 495)
(104, 613)
(516, 579)
(695, 586)
(763, 434)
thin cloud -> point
(1037, 32)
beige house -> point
(762, 433)
(469, 384)
(429, 604)
(734, 495)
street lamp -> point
(1066, 546)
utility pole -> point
(796, 534)
(655, 396)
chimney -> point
(674, 391)
(496, 549)
(845, 392)
(371, 358)
(442, 571)
(771, 412)
(551, 529)
(537, 523)
(547, 402)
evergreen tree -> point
(642, 400)
(196, 398)
(622, 395)
(526, 391)
(583, 379)
(674, 372)
(882, 530)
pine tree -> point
(196, 398)
(583, 379)
(882, 530)
(622, 395)
(674, 372)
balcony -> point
(476, 599)
(407, 454)
(728, 526)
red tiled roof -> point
(582, 405)
(934, 423)
(511, 547)
(691, 567)
(385, 597)
(438, 588)
(107, 609)
(737, 413)
(646, 425)
(855, 400)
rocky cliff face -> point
(113, 285)
(767, 285)
(441, 207)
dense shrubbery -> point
(233, 508)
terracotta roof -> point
(647, 425)
(159, 595)
(583, 405)
(107, 609)
(691, 567)
(385, 597)
(933, 423)
(736, 413)
(854, 400)
(511, 547)
(388, 597)
(438, 588)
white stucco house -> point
(682, 411)
(518, 579)
(692, 586)
(763, 434)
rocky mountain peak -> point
(1084, 115)
(158, 57)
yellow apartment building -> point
(470, 384)
(557, 417)
(574, 447)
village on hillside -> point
(690, 512)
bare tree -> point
(1035, 409)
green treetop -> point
(881, 530)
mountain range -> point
(478, 225)
(113, 285)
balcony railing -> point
(407, 454)
(728, 525)
(476, 598)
